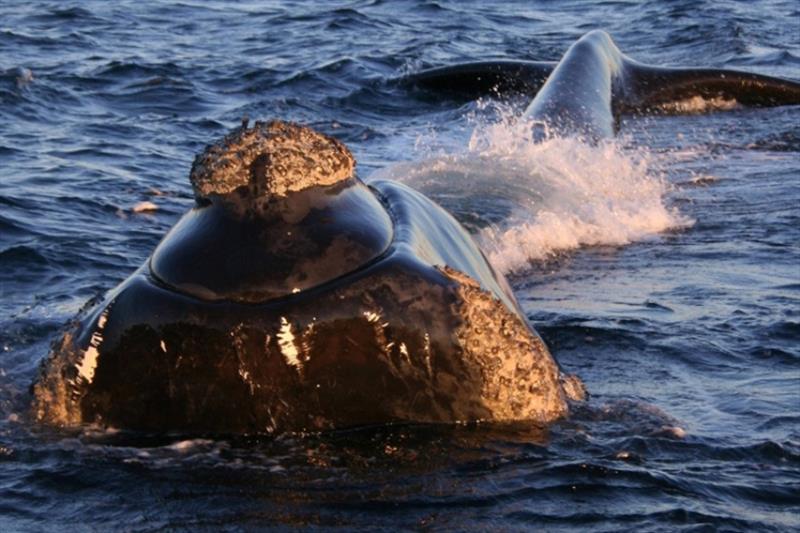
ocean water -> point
(662, 267)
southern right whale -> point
(295, 297)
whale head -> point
(279, 210)
(293, 297)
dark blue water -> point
(664, 269)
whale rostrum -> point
(279, 211)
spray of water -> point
(527, 200)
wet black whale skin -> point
(397, 338)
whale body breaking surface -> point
(273, 306)
(294, 297)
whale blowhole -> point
(270, 160)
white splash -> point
(529, 200)
(185, 446)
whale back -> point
(482, 77)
